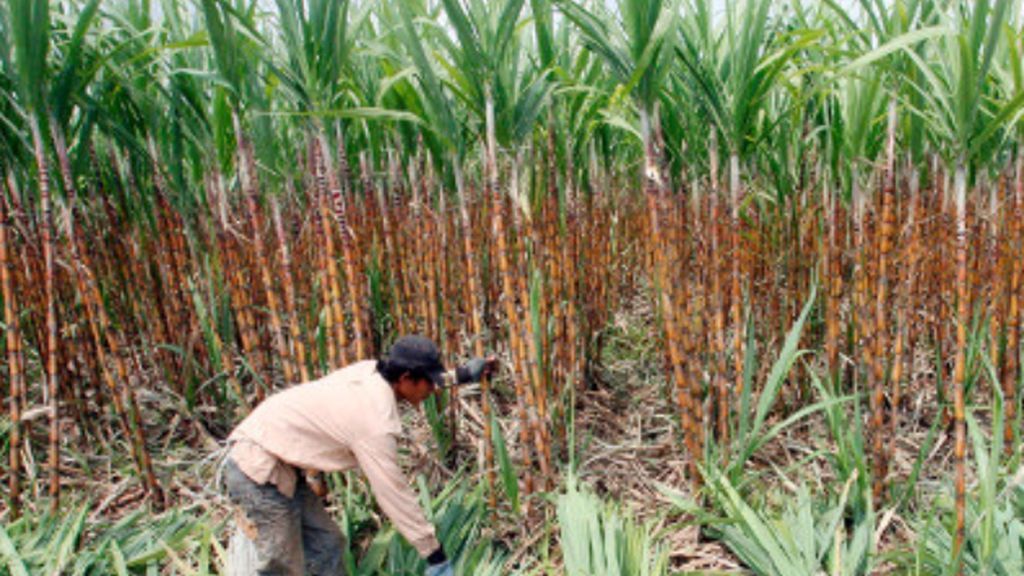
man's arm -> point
(378, 458)
(473, 370)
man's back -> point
(314, 425)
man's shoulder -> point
(361, 372)
(361, 380)
(376, 398)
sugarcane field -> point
(490, 287)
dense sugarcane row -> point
(257, 295)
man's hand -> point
(476, 369)
(442, 569)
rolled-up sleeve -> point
(378, 458)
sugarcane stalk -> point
(653, 188)
(335, 319)
(903, 354)
(344, 170)
(718, 299)
(446, 307)
(529, 250)
(171, 261)
(996, 275)
(291, 311)
(959, 374)
(250, 190)
(863, 350)
(415, 261)
(132, 419)
(833, 274)
(430, 240)
(1011, 432)
(716, 338)
(526, 350)
(881, 331)
(354, 281)
(50, 350)
(524, 395)
(428, 264)
(14, 356)
(736, 296)
(476, 323)
(103, 334)
(216, 237)
(391, 258)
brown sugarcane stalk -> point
(903, 354)
(407, 300)
(344, 171)
(335, 320)
(50, 303)
(64, 168)
(834, 277)
(431, 268)
(718, 300)
(959, 374)
(997, 275)
(653, 187)
(391, 258)
(337, 347)
(508, 291)
(557, 266)
(173, 247)
(250, 189)
(103, 335)
(401, 274)
(416, 264)
(241, 308)
(447, 309)
(1010, 378)
(526, 349)
(298, 360)
(428, 264)
(881, 336)
(529, 251)
(677, 251)
(555, 300)
(14, 356)
(227, 366)
(525, 401)
(570, 261)
(534, 351)
(223, 352)
(735, 310)
(476, 324)
(570, 256)
(354, 280)
(863, 349)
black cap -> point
(418, 354)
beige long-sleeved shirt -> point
(344, 420)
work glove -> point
(442, 569)
(475, 370)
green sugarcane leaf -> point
(900, 43)
(14, 562)
(780, 370)
(1008, 115)
(117, 559)
(509, 479)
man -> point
(344, 420)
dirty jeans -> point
(293, 536)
